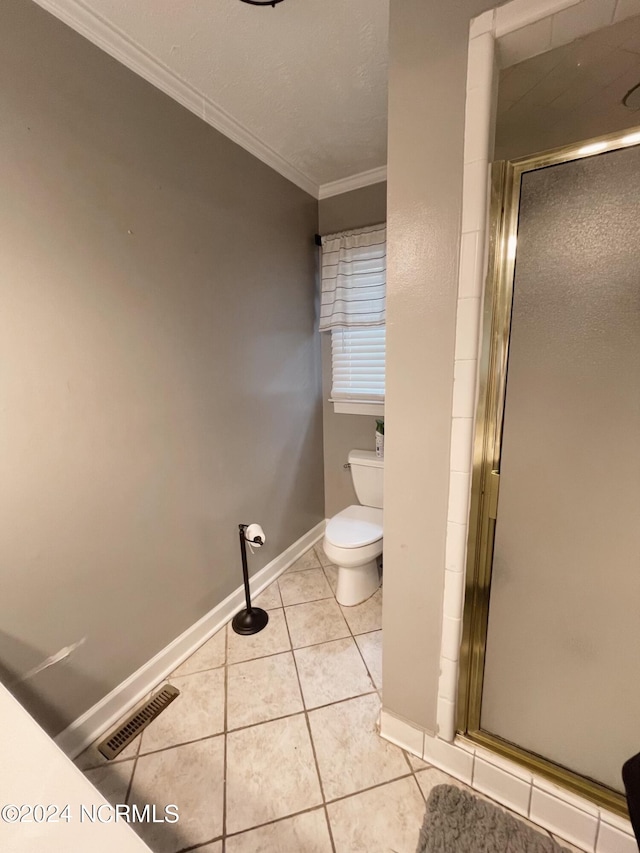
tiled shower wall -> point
(548, 805)
(477, 154)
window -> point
(354, 272)
(358, 367)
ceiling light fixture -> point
(262, 2)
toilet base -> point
(357, 583)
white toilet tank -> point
(367, 472)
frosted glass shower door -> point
(562, 665)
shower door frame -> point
(506, 179)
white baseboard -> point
(402, 733)
(105, 713)
(545, 804)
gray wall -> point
(428, 63)
(355, 209)
(160, 368)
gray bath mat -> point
(458, 822)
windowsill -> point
(352, 407)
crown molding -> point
(114, 42)
(354, 182)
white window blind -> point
(358, 359)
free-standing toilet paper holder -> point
(251, 619)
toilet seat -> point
(355, 527)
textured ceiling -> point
(308, 79)
(571, 93)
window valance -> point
(354, 275)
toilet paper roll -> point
(252, 532)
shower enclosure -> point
(551, 649)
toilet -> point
(353, 537)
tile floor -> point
(272, 745)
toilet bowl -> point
(353, 537)
(353, 541)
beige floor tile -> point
(429, 778)
(305, 833)
(209, 656)
(370, 646)
(198, 712)
(269, 599)
(351, 755)
(261, 690)
(417, 763)
(271, 773)
(112, 780)
(322, 557)
(270, 641)
(331, 573)
(367, 616)
(308, 560)
(316, 622)
(216, 847)
(381, 820)
(331, 672)
(190, 776)
(299, 587)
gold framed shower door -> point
(504, 205)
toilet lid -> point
(354, 527)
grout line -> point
(242, 728)
(277, 586)
(313, 746)
(310, 600)
(133, 771)
(130, 785)
(196, 671)
(108, 762)
(275, 820)
(251, 725)
(183, 743)
(413, 773)
(371, 678)
(296, 648)
(406, 757)
(201, 845)
(319, 558)
(369, 788)
(353, 636)
(329, 830)
(324, 571)
(289, 573)
(317, 807)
